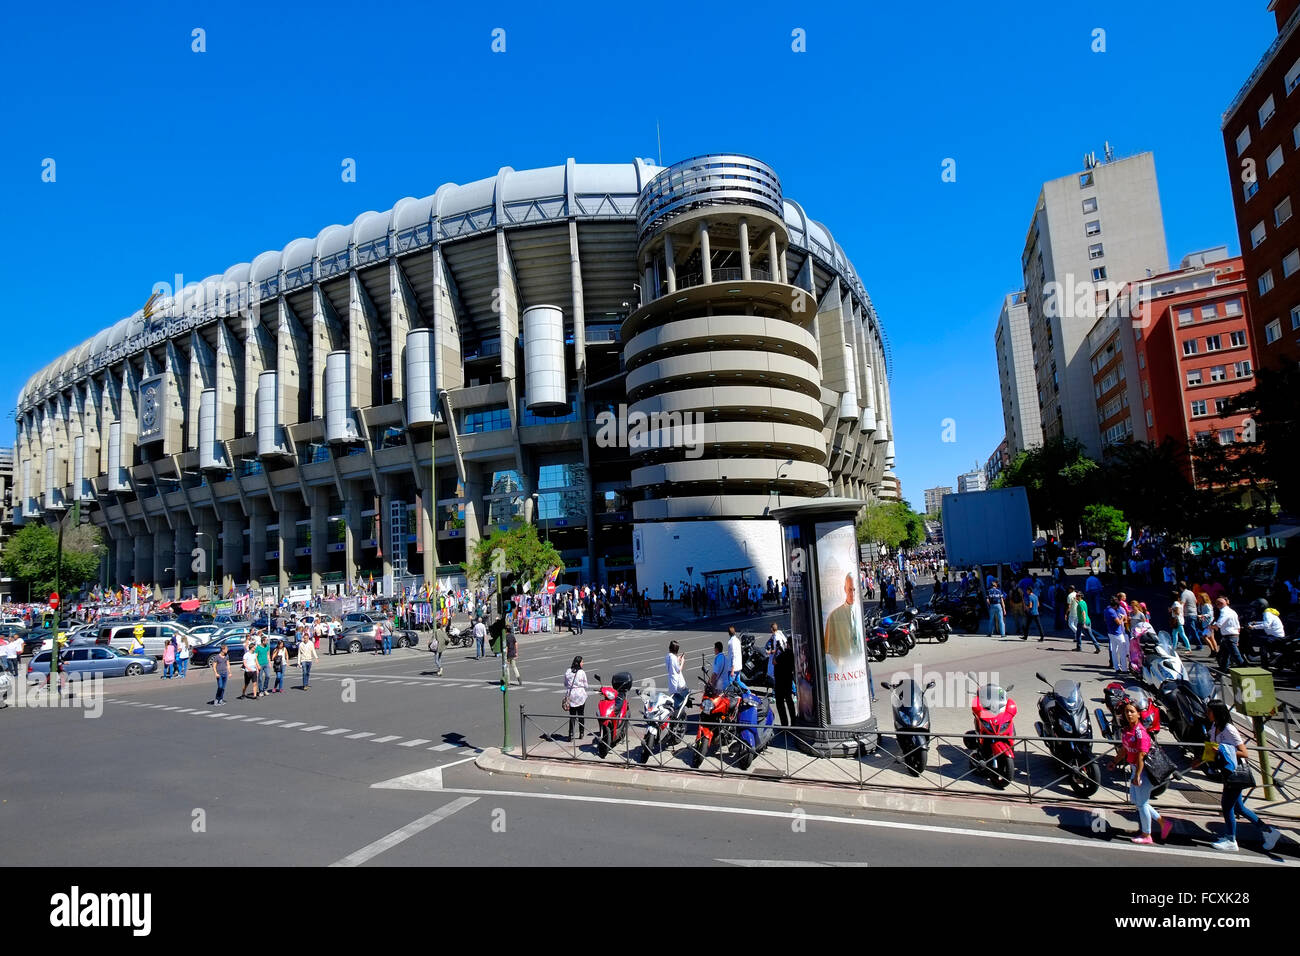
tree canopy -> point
(517, 551)
(30, 558)
(891, 523)
(1057, 477)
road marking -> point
(185, 710)
(255, 720)
(360, 736)
(296, 723)
(445, 746)
(1124, 847)
(340, 730)
(787, 863)
(171, 708)
(414, 742)
(426, 780)
(272, 722)
(372, 850)
(307, 730)
(388, 739)
(232, 716)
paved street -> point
(375, 764)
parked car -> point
(359, 617)
(204, 633)
(193, 618)
(155, 636)
(364, 637)
(8, 630)
(91, 660)
(203, 654)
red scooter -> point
(612, 712)
(717, 708)
(991, 745)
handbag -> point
(564, 702)
(1156, 765)
(1241, 776)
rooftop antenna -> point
(659, 140)
(1110, 153)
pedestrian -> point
(13, 651)
(169, 660)
(1204, 617)
(717, 671)
(387, 625)
(480, 636)
(512, 657)
(1136, 743)
(250, 669)
(1176, 623)
(307, 655)
(783, 675)
(997, 609)
(1116, 619)
(1083, 627)
(1092, 589)
(578, 614)
(1060, 604)
(575, 697)
(280, 661)
(1227, 630)
(221, 670)
(1237, 778)
(263, 651)
(440, 636)
(735, 656)
(1032, 618)
(183, 656)
(1015, 607)
(676, 679)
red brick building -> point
(1165, 370)
(1261, 136)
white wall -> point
(668, 547)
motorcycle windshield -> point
(1201, 680)
(1069, 693)
(1165, 642)
(910, 695)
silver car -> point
(155, 636)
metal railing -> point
(939, 762)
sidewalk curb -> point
(1051, 813)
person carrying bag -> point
(1227, 749)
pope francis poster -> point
(848, 689)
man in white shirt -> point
(1228, 627)
(735, 658)
(13, 651)
(480, 635)
(676, 679)
(1188, 600)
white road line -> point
(414, 742)
(332, 733)
(314, 727)
(405, 833)
(272, 722)
(1124, 847)
(787, 863)
(388, 739)
(255, 720)
(232, 716)
(184, 710)
(363, 734)
(171, 708)
(296, 723)
(444, 746)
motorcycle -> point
(456, 637)
(1116, 696)
(611, 712)
(923, 624)
(1165, 666)
(1063, 714)
(754, 719)
(665, 723)
(991, 745)
(718, 707)
(911, 721)
(753, 661)
(1184, 703)
(897, 636)
(965, 611)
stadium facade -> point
(643, 360)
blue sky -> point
(170, 161)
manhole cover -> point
(774, 774)
(1201, 797)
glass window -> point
(1250, 188)
(1218, 373)
(1095, 251)
(1295, 136)
(1266, 110)
(1090, 205)
(1256, 234)
(1291, 263)
(1142, 360)
(1282, 211)
(1292, 79)
(1227, 436)
(1272, 332)
(1194, 377)
(1092, 227)
(1243, 139)
(1274, 162)
(1295, 317)
(1085, 180)
(1237, 339)
(1232, 307)
(1212, 343)
(1220, 406)
(1098, 273)
(1209, 312)
(1185, 317)
(1150, 422)
(486, 420)
(1241, 369)
(1190, 347)
(1266, 282)
(1198, 407)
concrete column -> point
(353, 505)
(182, 555)
(385, 522)
(669, 262)
(143, 558)
(320, 526)
(164, 557)
(428, 536)
(206, 539)
(475, 508)
(744, 248)
(232, 553)
(773, 260)
(705, 263)
(648, 291)
(125, 561)
(257, 564)
(286, 540)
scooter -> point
(877, 643)
(991, 746)
(718, 707)
(925, 624)
(611, 712)
(1062, 713)
(456, 637)
(665, 723)
(1165, 666)
(1116, 696)
(754, 719)
(753, 662)
(897, 635)
(911, 721)
(1184, 702)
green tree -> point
(1104, 524)
(517, 551)
(30, 558)
(1148, 482)
(1057, 477)
(891, 523)
(1264, 456)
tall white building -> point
(971, 481)
(1016, 375)
(1091, 232)
(934, 498)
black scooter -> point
(925, 624)
(1062, 713)
(911, 721)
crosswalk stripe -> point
(276, 721)
(340, 730)
(307, 730)
(415, 742)
(384, 740)
(296, 723)
(255, 720)
(364, 733)
(444, 746)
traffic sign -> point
(550, 587)
(54, 600)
